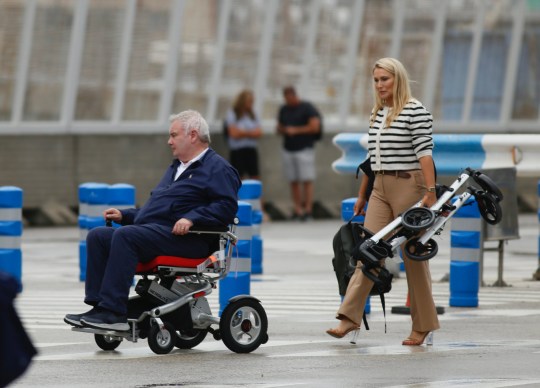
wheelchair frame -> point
(243, 324)
(417, 229)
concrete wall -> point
(49, 168)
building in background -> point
(83, 68)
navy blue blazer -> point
(206, 193)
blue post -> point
(466, 249)
(238, 280)
(11, 201)
(537, 273)
(347, 211)
(120, 196)
(93, 199)
(251, 192)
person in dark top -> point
(299, 122)
(198, 188)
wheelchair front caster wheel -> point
(418, 218)
(106, 342)
(189, 339)
(162, 339)
(244, 325)
(421, 252)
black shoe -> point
(75, 319)
(106, 320)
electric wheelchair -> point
(170, 308)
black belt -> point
(396, 173)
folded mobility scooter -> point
(171, 309)
(417, 225)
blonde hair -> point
(401, 91)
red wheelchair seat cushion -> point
(169, 261)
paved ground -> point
(494, 345)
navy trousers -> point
(113, 254)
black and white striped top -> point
(404, 142)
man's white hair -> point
(191, 119)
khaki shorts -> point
(299, 166)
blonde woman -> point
(399, 148)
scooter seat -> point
(169, 261)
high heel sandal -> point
(427, 336)
(338, 334)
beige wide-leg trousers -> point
(391, 196)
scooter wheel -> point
(244, 325)
(488, 185)
(421, 252)
(418, 218)
(489, 207)
(106, 342)
(162, 339)
(189, 339)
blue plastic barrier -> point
(92, 203)
(465, 254)
(121, 196)
(238, 281)
(537, 274)
(453, 153)
(347, 210)
(94, 199)
(251, 192)
(11, 228)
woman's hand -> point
(429, 199)
(359, 206)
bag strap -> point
(364, 318)
(376, 281)
(383, 309)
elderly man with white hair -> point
(199, 188)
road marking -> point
(477, 383)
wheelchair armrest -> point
(223, 231)
(209, 229)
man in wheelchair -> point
(199, 188)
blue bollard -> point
(11, 228)
(465, 255)
(537, 274)
(251, 192)
(238, 281)
(347, 211)
(120, 196)
(93, 200)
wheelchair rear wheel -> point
(244, 325)
(189, 339)
(106, 342)
(162, 339)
